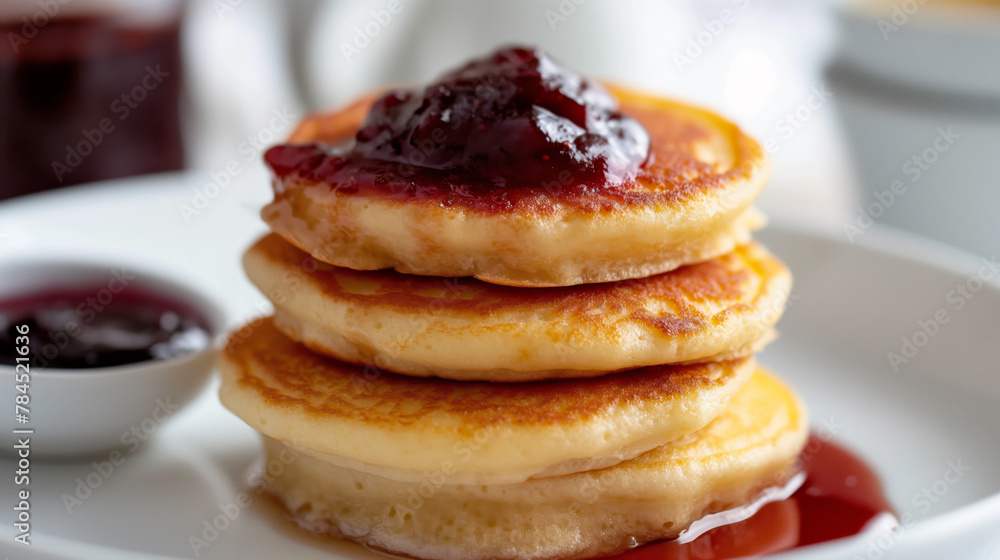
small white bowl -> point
(81, 412)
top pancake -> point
(691, 202)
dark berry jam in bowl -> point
(99, 356)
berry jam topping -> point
(514, 119)
(516, 115)
(94, 327)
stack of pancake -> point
(457, 380)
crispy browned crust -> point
(674, 172)
(287, 375)
(731, 282)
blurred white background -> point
(871, 110)
(758, 62)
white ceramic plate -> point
(850, 308)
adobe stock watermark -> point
(263, 307)
(250, 148)
(710, 31)
(225, 7)
(365, 33)
(913, 168)
(789, 124)
(32, 24)
(921, 504)
(213, 528)
(131, 439)
(385, 354)
(277, 295)
(564, 10)
(432, 482)
(957, 298)
(794, 120)
(900, 15)
(588, 491)
(486, 90)
(771, 311)
(121, 107)
(82, 315)
(826, 431)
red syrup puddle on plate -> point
(839, 497)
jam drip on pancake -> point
(511, 125)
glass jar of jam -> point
(88, 91)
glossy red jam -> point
(840, 496)
(514, 120)
(93, 327)
(516, 115)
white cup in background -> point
(918, 89)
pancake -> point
(466, 329)
(751, 446)
(484, 433)
(690, 202)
